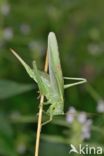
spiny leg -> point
(80, 81)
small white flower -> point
(5, 9)
(83, 121)
(87, 125)
(8, 33)
(86, 129)
(86, 135)
(69, 118)
(25, 29)
(70, 114)
(72, 110)
(82, 117)
(100, 106)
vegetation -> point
(79, 27)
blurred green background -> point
(24, 26)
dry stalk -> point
(40, 114)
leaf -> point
(54, 139)
(5, 128)
(10, 88)
(6, 138)
(7, 147)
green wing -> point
(55, 72)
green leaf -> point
(6, 138)
(10, 88)
(54, 139)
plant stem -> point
(40, 114)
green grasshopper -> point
(51, 85)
